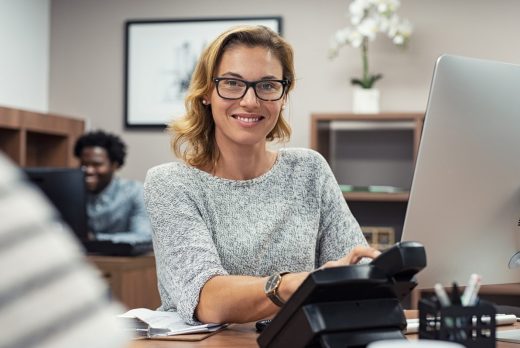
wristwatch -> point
(271, 288)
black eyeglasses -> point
(267, 90)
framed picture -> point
(160, 56)
(379, 237)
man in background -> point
(115, 207)
(49, 295)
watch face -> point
(272, 282)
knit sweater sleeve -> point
(339, 232)
(185, 253)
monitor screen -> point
(464, 204)
(65, 189)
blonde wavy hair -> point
(193, 135)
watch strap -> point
(272, 294)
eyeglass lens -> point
(268, 90)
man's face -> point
(98, 168)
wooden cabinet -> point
(132, 280)
(34, 139)
(373, 158)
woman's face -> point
(246, 121)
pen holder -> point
(472, 326)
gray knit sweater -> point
(292, 218)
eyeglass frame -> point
(285, 83)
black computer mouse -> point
(262, 324)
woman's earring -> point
(204, 101)
(283, 106)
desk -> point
(244, 335)
(132, 280)
(236, 335)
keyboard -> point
(109, 248)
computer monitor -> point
(65, 189)
(464, 204)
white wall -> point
(87, 41)
(24, 54)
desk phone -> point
(350, 305)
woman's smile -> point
(248, 120)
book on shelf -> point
(143, 322)
(372, 188)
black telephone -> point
(349, 306)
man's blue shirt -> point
(118, 213)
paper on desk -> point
(159, 321)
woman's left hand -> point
(354, 256)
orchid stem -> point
(364, 56)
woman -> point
(232, 219)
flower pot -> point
(365, 101)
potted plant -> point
(367, 18)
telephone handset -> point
(401, 261)
(350, 305)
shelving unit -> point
(364, 150)
(33, 139)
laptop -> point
(65, 189)
(464, 204)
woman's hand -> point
(291, 282)
(353, 257)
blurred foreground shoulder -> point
(44, 270)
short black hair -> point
(113, 144)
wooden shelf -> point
(33, 139)
(371, 150)
(320, 125)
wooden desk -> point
(504, 294)
(500, 294)
(244, 335)
(236, 335)
(132, 280)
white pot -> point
(365, 101)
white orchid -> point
(368, 18)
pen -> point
(444, 301)
(469, 298)
(459, 334)
(153, 332)
(441, 295)
(455, 294)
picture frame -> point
(160, 56)
(379, 237)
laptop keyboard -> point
(110, 248)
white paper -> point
(168, 320)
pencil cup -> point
(472, 326)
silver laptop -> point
(465, 198)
